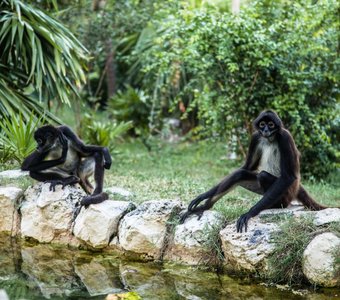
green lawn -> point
(184, 170)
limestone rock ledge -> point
(144, 230)
(47, 215)
(97, 224)
(193, 242)
(248, 251)
(9, 203)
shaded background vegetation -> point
(195, 61)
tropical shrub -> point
(16, 137)
(94, 130)
(133, 105)
(223, 69)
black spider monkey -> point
(61, 158)
(271, 169)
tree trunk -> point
(235, 6)
(110, 70)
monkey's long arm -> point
(244, 176)
(274, 194)
(87, 150)
(35, 161)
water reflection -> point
(47, 272)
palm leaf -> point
(37, 51)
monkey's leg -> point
(85, 170)
(98, 194)
(241, 177)
(55, 177)
(266, 180)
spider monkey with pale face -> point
(271, 169)
(61, 158)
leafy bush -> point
(16, 137)
(103, 133)
(131, 105)
(222, 70)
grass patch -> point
(212, 244)
(285, 264)
(23, 182)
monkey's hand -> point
(184, 216)
(243, 222)
(194, 203)
(188, 213)
(107, 164)
(63, 140)
(107, 158)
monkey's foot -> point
(199, 215)
(184, 216)
(54, 183)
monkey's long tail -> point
(308, 201)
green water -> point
(40, 271)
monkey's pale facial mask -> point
(267, 128)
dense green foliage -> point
(216, 71)
(185, 59)
(224, 69)
(97, 130)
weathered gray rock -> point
(319, 260)
(327, 216)
(9, 203)
(193, 241)
(291, 210)
(97, 224)
(47, 215)
(10, 256)
(143, 230)
(248, 250)
(14, 174)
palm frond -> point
(36, 51)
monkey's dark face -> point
(268, 124)
(46, 138)
(267, 127)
